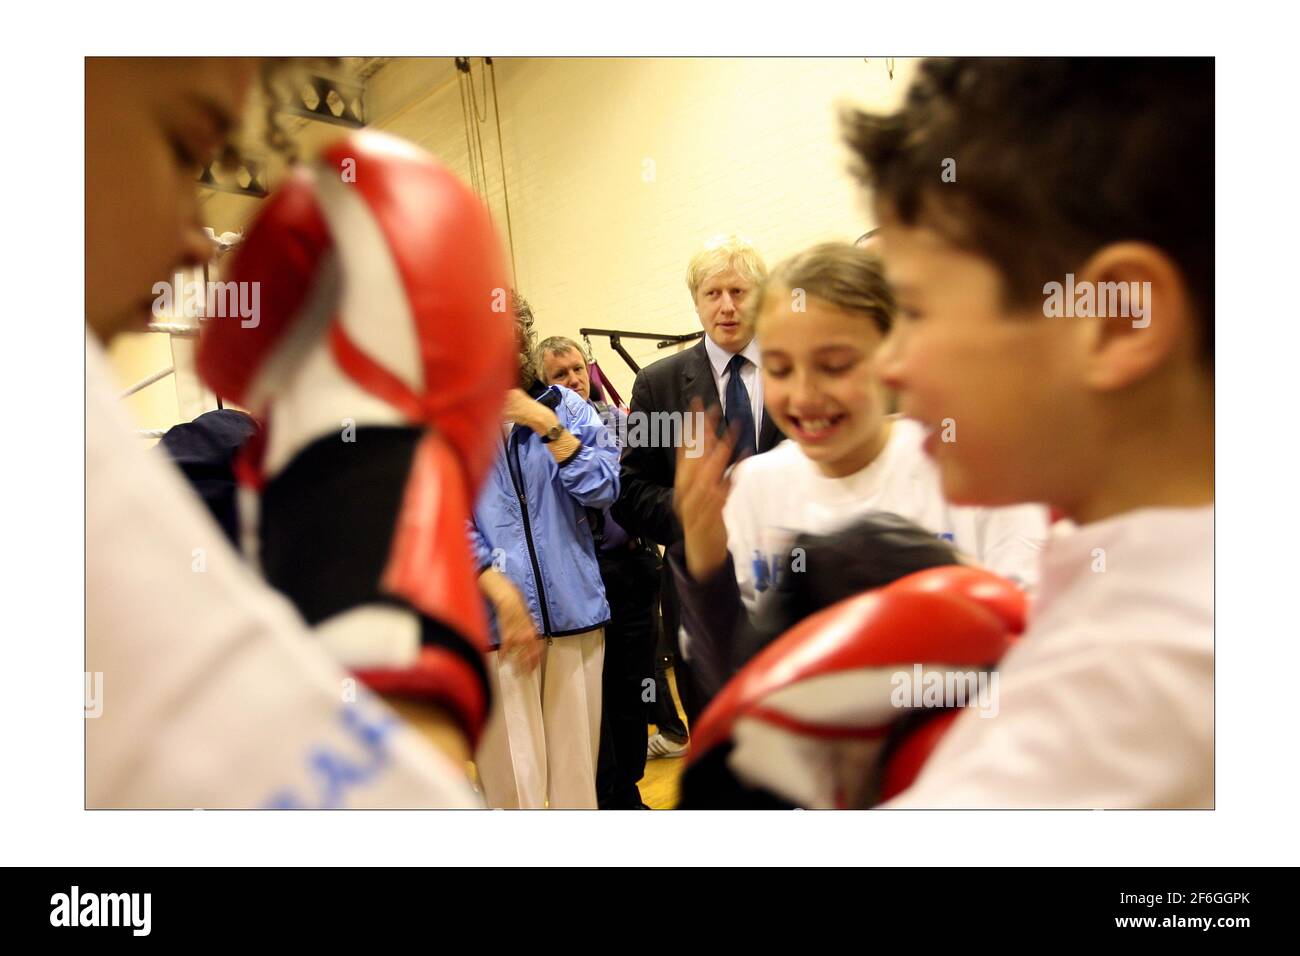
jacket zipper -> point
(516, 475)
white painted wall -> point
(619, 169)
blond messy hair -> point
(848, 277)
(721, 253)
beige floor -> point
(662, 781)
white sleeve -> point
(1010, 541)
(1122, 725)
(204, 687)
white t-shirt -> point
(781, 493)
(204, 687)
(1107, 701)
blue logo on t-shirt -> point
(334, 773)
(770, 571)
(762, 573)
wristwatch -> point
(552, 433)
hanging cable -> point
(474, 98)
(464, 119)
(474, 137)
(462, 68)
(505, 192)
(478, 139)
(479, 185)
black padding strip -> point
(327, 520)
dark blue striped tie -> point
(738, 408)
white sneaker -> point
(660, 746)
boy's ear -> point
(1142, 314)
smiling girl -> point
(821, 316)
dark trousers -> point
(692, 700)
(663, 709)
(632, 589)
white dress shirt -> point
(753, 381)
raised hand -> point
(700, 488)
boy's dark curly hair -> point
(1055, 158)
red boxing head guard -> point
(810, 714)
(382, 248)
(383, 296)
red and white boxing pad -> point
(382, 300)
(383, 249)
(810, 715)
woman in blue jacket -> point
(532, 539)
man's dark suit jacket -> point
(645, 502)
